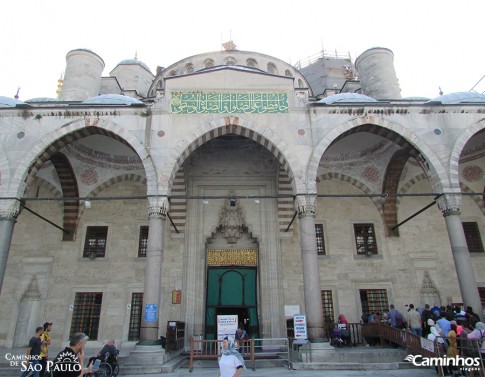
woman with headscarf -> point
(231, 363)
(479, 334)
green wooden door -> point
(231, 291)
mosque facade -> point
(229, 183)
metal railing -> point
(251, 349)
(417, 345)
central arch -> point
(237, 126)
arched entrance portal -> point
(232, 291)
(232, 256)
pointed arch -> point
(352, 181)
(68, 182)
(114, 180)
(77, 129)
(237, 126)
(392, 132)
(458, 149)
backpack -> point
(399, 320)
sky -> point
(435, 43)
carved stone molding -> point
(305, 205)
(231, 221)
(32, 292)
(450, 204)
(158, 207)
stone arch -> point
(458, 148)
(114, 180)
(393, 132)
(49, 187)
(44, 148)
(68, 182)
(238, 126)
(405, 188)
(354, 182)
(478, 199)
(390, 186)
(4, 168)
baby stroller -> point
(336, 338)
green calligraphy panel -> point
(229, 103)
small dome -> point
(460, 97)
(346, 98)
(415, 98)
(10, 102)
(41, 99)
(112, 99)
(134, 61)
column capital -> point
(450, 204)
(9, 209)
(158, 207)
(305, 205)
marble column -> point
(157, 213)
(8, 218)
(461, 256)
(311, 271)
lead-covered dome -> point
(113, 99)
(10, 102)
(133, 62)
(346, 98)
(459, 97)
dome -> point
(134, 61)
(10, 102)
(460, 97)
(112, 99)
(41, 99)
(346, 98)
(415, 98)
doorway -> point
(232, 291)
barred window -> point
(365, 240)
(320, 239)
(327, 306)
(373, 300)
(95, 243)
(143, 241)
(87, 310)
(473, 238)
(135, 316)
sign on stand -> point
(226, 326)
(299, 326)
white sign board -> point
(226, 325)
(427, 344)
(299, 327)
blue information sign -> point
(150, 312)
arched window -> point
(272, 68)
(208, 63)
(288, 73)
(230, 60)
(252, 63)
(189, 68)
(173, 73)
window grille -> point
(473, 238)
(320, 239)
(135, 316)
(86, 313)
(373, 300)
(327, 306)
(143, 241)
(365, 240)
(95, 244)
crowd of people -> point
(68, 363)
(451, 328)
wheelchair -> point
(109, 366)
